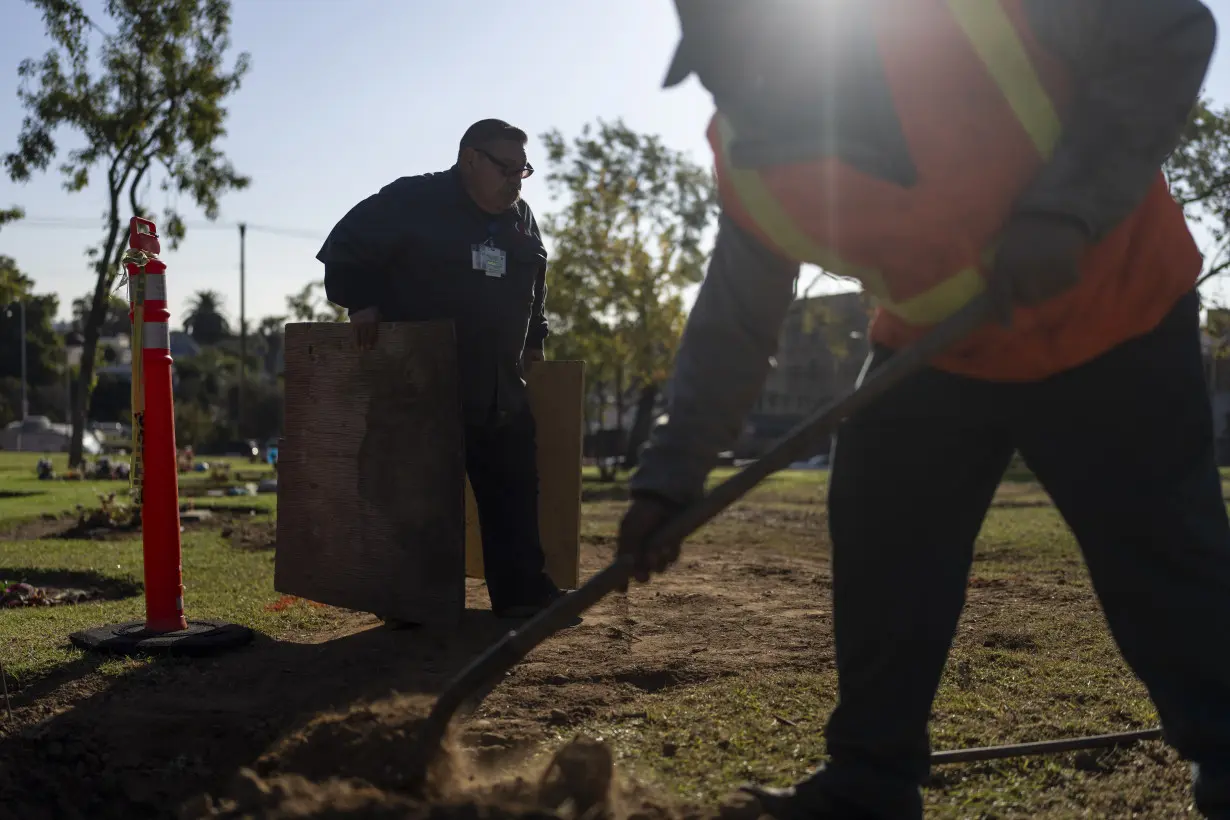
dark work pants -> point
(503, 471)
(1124, 447)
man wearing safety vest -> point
(936, 149)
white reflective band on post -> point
(155, 287)
(156, 336)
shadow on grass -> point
(169, 730)
(606, 492)
(63, 676)
(102, 587)
(20, 493)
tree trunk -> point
(641, 425)
(85, 377)
(91, 332)
(603, 451)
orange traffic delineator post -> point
(155, 475)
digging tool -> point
(473, 683)
(1072, 744)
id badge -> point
(492, 261)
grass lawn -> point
(719, 673)
(221, 582)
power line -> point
(82, 223)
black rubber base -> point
(200, 638)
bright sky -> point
(346, 95)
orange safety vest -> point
(979, 103)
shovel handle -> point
(473, 682)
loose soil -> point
(68, 526)
(325, 727)
(61, 587)
(251, 534)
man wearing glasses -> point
(461, 244)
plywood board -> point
(371, 475)
(556, 392)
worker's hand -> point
(644, 517)
(529, 357)
(1038, 258)
(366, 324)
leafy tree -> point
(309, 306)
(627, 242)
(11, 215)
(1199, 176)
(142, 88)
(14, 284)
(204, 320)
(115, 322)
(44, 348)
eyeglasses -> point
(509, 169)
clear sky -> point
(346, 95)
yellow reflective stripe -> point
(940, 300)
(999, 46)
(994, 38)
(758, 202)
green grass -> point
(221, 582)
(1032, 659)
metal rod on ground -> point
(482, 675)
(25, 402)
(4, 683)
(1073, 744)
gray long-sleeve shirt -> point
(407, 250)
(1137, 67)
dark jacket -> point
(407, 251)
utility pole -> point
(25, 405)
(21, 305)
(243, 324)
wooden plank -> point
(556, 394)
(371, 475)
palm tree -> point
(204, 320)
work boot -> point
(807, 801)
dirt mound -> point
(372, 742)
(362, 764)
(251, 535)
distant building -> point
(117, 353)
(183, 346)
(820, 353)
